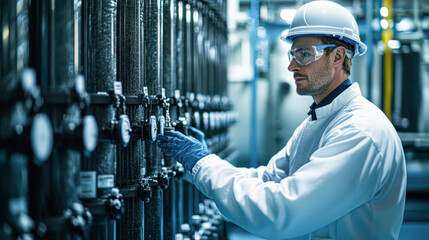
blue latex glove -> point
(199, 135)
(184, 149)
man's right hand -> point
(184, 149)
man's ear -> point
(339, 56)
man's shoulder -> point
(364, 117)
(362, 109)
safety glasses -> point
(307, 54)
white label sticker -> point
(87, 184)
(105, 181)
(117, 87)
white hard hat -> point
(325, 18)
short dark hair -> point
(347, 64)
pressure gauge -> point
(89, 133)
(125, 129)
(41, 137)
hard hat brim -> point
(344, 34)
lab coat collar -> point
(328, 99)
(339, 102)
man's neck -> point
(334, 84)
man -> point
(341, 175)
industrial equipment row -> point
(87, 86)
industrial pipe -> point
(98, 173)
(131, 165)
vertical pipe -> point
(196, 48)
(421, 103)
(55, 184)
(207, 70)
(39, 176)
(100, 69)
(152, 74)
(189, 49)
(170, 200)
(181, 67)
(39, 46)
(387, 35)
(204, 47)
(13, 170)
(14, 57)
(65, 162)
(169, 45)
(100, 72)
(211, 52)
(369, 44)
(170, 91)
(181, 46)
(100, 45)
(192, 77)
(196, 117)
(131, 162)
(254, 13)
(216, 49)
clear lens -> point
(305, 55)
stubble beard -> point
(318, 84)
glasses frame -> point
(317, 49)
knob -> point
(182, 125)
(163, 179)
(212, 120)
(78, 218)
(153, 128)
(188, 118)
(206, 121)
(144, 191)
(161, 121)
(197, 120)
(114, 204)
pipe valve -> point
(115, 204)
(144, 190)
(78, 219)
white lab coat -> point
(342, 176)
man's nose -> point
(293, 66)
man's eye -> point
(303, 54)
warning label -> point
(87, 184)
(105, 181)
